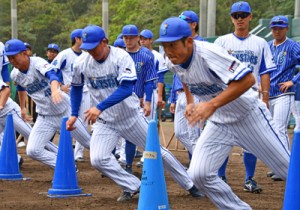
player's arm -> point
(22, 100)
(204, 110)
(75, 100)
(265, 87)
(124, 90)
(189, 101)
(5, 93)
(54, 81)
(148, 93)
(160, 87)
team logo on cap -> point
(240, 5)
(84, 35)
(6, 47)
(164, 29)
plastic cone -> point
(292, 189)
(65, 182)
(9, 166)
(153, 191)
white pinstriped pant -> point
(186, 134)
(281, 108)
(106, 136)
(43, 130)
(85, 104)
(255, 132)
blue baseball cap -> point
(76, 33)
(241, 6)
(92, 35)
(130, 30)
(119, 36)
(279, 21)
(53, 46)
(189, 16)
(119, 43)
(147, 34)
(14, 46)
(173, 29)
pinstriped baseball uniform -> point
(64, 61)
(121, 120)
(239, 122)
(186, 134)
(50, 115)
(286, 56)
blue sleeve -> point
(75, 97)
(149, 90)
(161, 77)
(173, 96)
(52, 75)
(124, 90)
(5, 73)
(20, 88)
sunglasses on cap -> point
(186, 18)
(240, 15)
(280, 22)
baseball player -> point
(110, 74)
(52, 51)
(259, 58)
(36, 77)
(145, 86)
(228, 104)
(187, 135)
(64, 61)
(286, 53)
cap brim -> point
(12, 53)
(89, 46)
(168, 39)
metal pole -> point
(203, 18)
(211, 18)
(297, 9)
(14, 21)
(105, 17)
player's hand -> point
(172, 108)
(160, 101)
(91, 115)
(284, 86)
(56, 96)
(24, 114)
(70, 123)
(200, 113)
(65, 88)
(141, 102)
(147, 108)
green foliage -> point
(41, 22)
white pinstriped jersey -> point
(208, 74)
(253, 51)
(159, 61)
(64, 61)
(3, 58)
(37, 86)
(102, 79)
(10, 104)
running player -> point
(256, 56)
(36, 77)
(63, 62)
(110, 74)
(230, 107)
(286, 54)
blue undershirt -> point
(148, 88)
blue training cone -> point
(65, 182)
(153, 191)
(9, 166)
(292, 189)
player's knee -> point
(201, 176)
(100, 162)
(33, 152)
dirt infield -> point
(32, 194)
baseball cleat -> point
(276, 178)
(140, 164)
(251, 186)
(127, 196)
(80, 159)
(128, 169)
(195, 192)
(270, 174)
